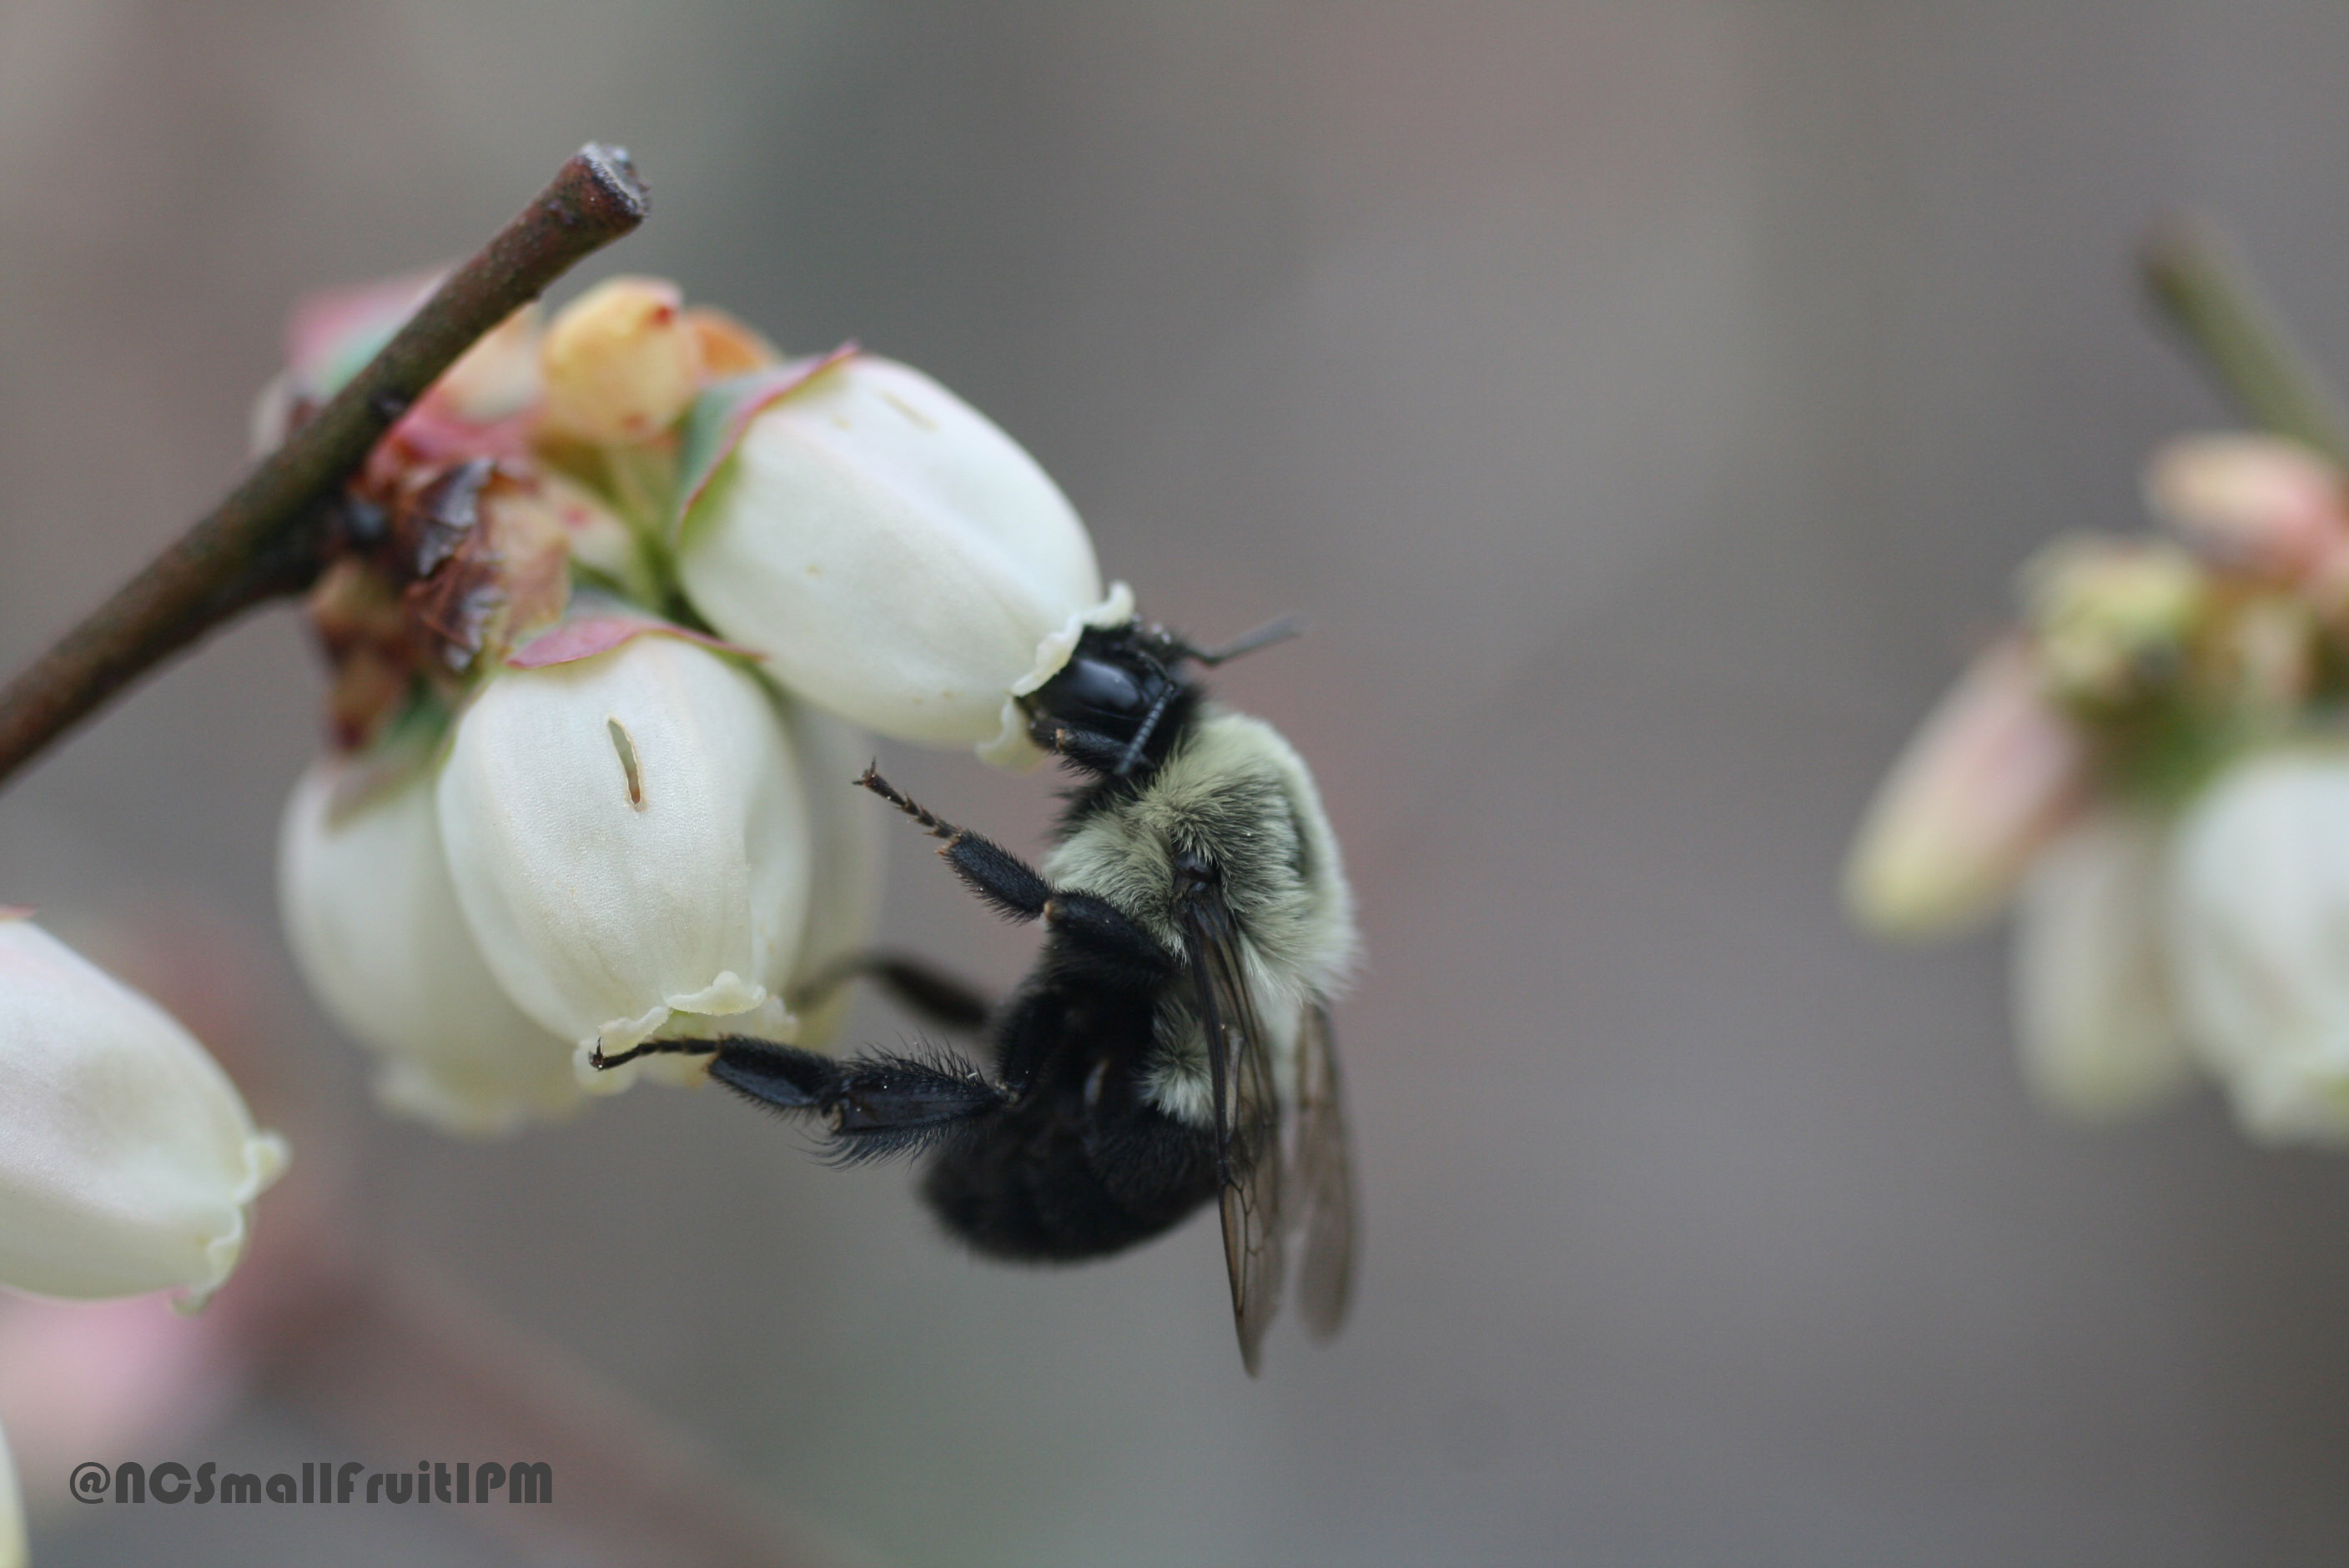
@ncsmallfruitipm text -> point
(321, 1482)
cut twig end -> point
(267, 538)
(605, 184)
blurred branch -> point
(2200, 281)
(411, 1367)
(263, 541)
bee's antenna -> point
(1142, 734)
(1264, 637)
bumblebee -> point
(1173, 1045)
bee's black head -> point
(1117, 704)
(1121, 699)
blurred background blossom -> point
(2152, 766)
(1646, 404)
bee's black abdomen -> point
(1027, 1190)
(1081, 1165)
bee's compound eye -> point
(1088, 685)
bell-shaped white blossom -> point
(127, 1158)
(372, 918)
(845, 880)
(2259, 940)
(2094, 1021)
(629, 845)
(899, 559)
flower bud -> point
(372, 918)
(2111, 616)
(621, 363)
(629, 845)
(899, 559)
(599, 539)
(334, 334)
(727, 347)
(2093, 1019)
(127, 1160)
(1993, 775)
(498, 376)
(2257, 502)
(2259, 940)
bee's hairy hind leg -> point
(871, 1105)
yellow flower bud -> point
(621, 362)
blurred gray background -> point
(1646, 403)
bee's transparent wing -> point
(1248, 1116)
(1321, 1180)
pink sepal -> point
(589, 635)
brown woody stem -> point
(2199, 279)
(263, 541)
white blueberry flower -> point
(899, 559)
(372, 917)
(1993, 775)
(2258, 914)
(629, 841)
(844, 880)
(2094, 1020)
(128, 1162)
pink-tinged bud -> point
(622, 363)
(1993, 774)
(333, 333)
(2094, 1022)
(2257, 503)
(728, 347)
(498, 377)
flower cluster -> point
(2154, 766)
(608, 608)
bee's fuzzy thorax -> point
(1235, 792)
